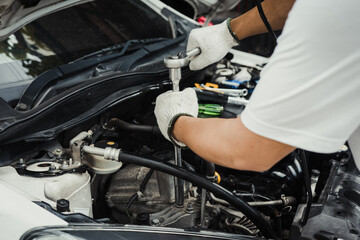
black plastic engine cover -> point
(337, 213)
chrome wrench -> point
(175, 63)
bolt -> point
(343, 161)
(343, 148)
(189, 208)
(315, 172)
(21, 106)
(52, 167)
(58, 151)
(155, 222)
(21, 161)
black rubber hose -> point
(96, 136)
(117, 123)
(210, 169)
(199, 181)
(265, 20)
(307, 181)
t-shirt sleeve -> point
(308, 95)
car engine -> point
(117, 168)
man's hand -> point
(214, 42)
(170, 106)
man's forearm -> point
(229, 143)
(250, 23)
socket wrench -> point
(175, 63)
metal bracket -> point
(76, 155)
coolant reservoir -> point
(74, 187)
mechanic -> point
(308, 96)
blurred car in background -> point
(205, 8)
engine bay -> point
(117, 168)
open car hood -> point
(16, 13)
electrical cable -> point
(146, 180)
(132, 199)
(265, 20)
(198, 180)
(128, 214)
(135, 196)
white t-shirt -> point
(308, 95)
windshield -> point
(68, 34)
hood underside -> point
(16, 13)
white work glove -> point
(214, 41)
(170, 106)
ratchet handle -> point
(190, 54)
(181, 59)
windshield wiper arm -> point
(51, 76)
(124, 47)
